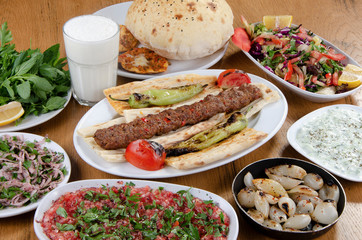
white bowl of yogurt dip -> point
(332, 138)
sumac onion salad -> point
(130, 212)
(28, 170)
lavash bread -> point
(181, 29)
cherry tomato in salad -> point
(147, 155)
(241, 39)
(232, 78)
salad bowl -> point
(311, 96)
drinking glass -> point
(92, 45)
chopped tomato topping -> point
(288, 75)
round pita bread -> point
(181, 29)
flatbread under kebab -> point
(125, 90)
(236, 143)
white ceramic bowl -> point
(47, 202)
(314, 97)
(295, 128)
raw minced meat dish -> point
(128, 212)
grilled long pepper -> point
(234, 124)
(162, 97)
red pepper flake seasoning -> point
(167, 120)
(128, 212)
(183, 123)
(144, 119)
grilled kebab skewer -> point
(120, 135)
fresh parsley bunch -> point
(36, 80)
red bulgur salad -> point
(128, 212)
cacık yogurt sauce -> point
(334, 139)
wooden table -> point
(38, 24)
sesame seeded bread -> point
(181, 29)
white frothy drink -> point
(91, 45)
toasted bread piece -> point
(126, 40)
(143, 60)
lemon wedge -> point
(10, 112)
(351, 75)
(271, 22)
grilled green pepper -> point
(161, 97)
(234, 124)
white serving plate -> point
(314, 97)
(269, 120)
(293, 130)
(9, 212)
(118, 12)
(74, 186)
(32, 120)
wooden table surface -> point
(38, 23)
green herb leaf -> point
(40, 83)
(27, 65)
(65, 227)
(23, 90)
(55, 103)
(27, 164)
(51, 54)
(5, 34)
(62, 212)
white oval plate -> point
(47, 202)
(314, 97)
(269, 120)
(32, 120)
(9, 212)
(118, 12)
(293, 130)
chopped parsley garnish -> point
(126, 212)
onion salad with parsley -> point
(294, 54)
(130, 212)
(28, 171)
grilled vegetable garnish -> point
(234, 124)
(162, 97)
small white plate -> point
(269, 120)
(32, 120)
(47, 202)
(293, 130)
(9, 212)
(314, 97)
(118, 14)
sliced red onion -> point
(269, 68)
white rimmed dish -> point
(269, 120)
(118, 12)
(74, 186)
(292, 139)
(9, 212)
(32, 120)
(314, 97)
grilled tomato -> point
(147, 155)
(232, 78)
